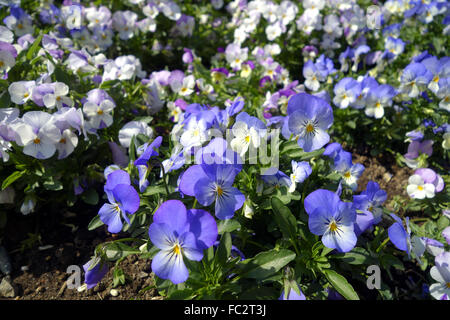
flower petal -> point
(111, 217)
(168, 265)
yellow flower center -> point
(219, 191)
(247, 139)
(99, 112)
(58, 98)
(436, 79)
(1, 63)
(177, 249)
(20, 26)
(62, 140)
(184, 89)
(378, 105)
(347, 175)
(26, 95)
(420, 188)
(309, 128)
(333, 226)
(37, 141)
(448, 285)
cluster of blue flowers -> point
(186, 138)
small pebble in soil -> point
(42, 248)
(7, 288)
(387, 177)
(114, 292)
(24, 268)
(82, 288)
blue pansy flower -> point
(179, 234)
(309, 118)
(123, 201)
(399, 235)
(345, 92)
(332, 219)
(95, 270)
(371, 200)
(350, 172)
(213, 183)
(414, 79)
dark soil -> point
(391, 178)
(46, 274)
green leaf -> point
(284, 218)
(5, 99)
(34, 47)
(351, 124)
(184, 294)
(209, 255)
(117, 250)
(341, 285)
(443, 222)
(151, 190)
(356, 256)
(288, 146)
(224, 249)
(301, 155)
(389, 260)
(90, 197)
(283, 194)
(95, 223)
(53, 185)
(132, 149)
(11, 178)
(310, 155)
(61, 75)
(118, 277)
(228, 225)
(266, 263)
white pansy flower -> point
(195, 133)
(59, 97)
(20, 92)
(244, 136)
(418, 189)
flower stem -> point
(383, 244)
